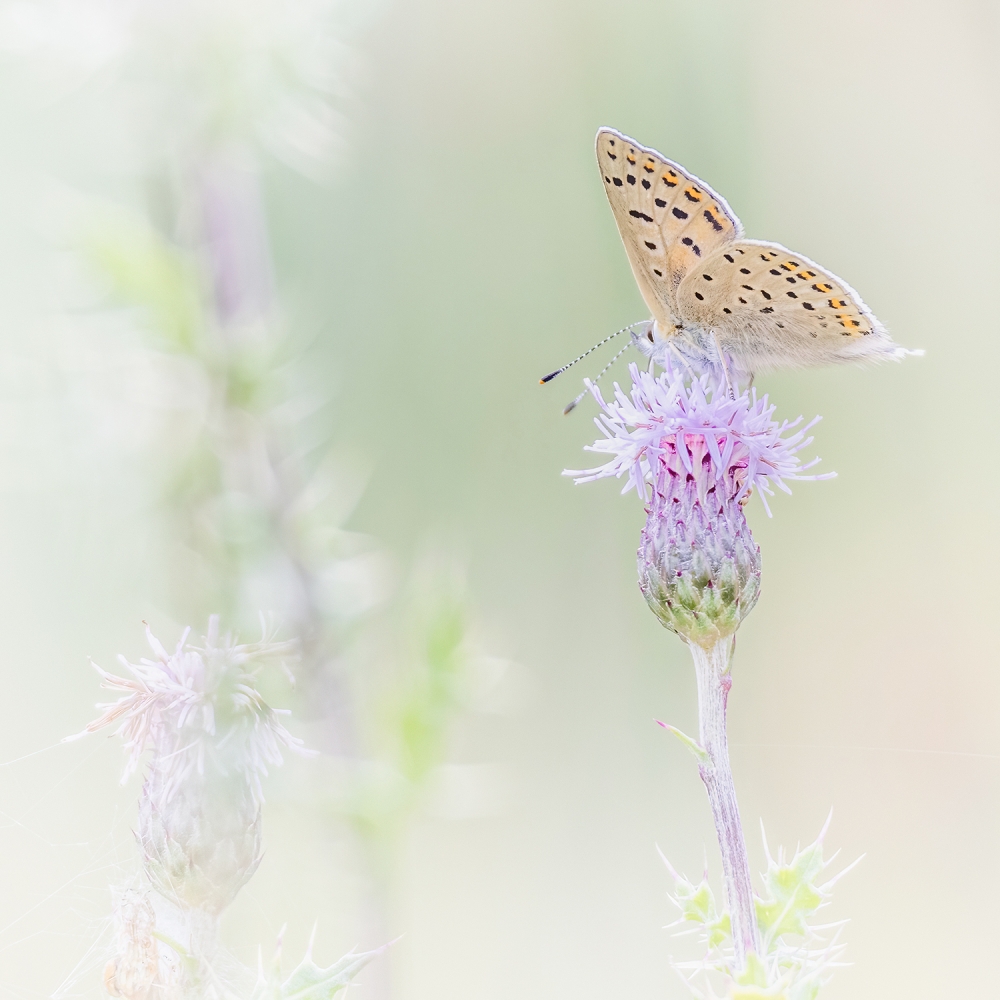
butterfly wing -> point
(771, 307)
(669, 220)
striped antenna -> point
(573, 405)
(559, 371)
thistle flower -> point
(211, 737)
(694, 454)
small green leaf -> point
(792, 893)
(310, 982)
(693, 745)
(752, 984)
(144, 269)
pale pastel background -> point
(461, 247)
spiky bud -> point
(699, 567)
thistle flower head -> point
(211, 736)
(198, 709)
(692, 424)
(694, 454)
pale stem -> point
(714, 680)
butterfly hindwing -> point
(669, 220)
(771, 306)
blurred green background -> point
(458, 247)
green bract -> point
(699, 567)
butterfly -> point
(714, 294)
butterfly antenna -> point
(559, 371)
(572, 406)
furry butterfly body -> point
(709, 289)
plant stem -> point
(714, 680)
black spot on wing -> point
(630, 179)
(652, 246)
(699, 296)
(639, 215)
(716, 225)
(660, 203)
(645, 183)
(618, 182)
(680, 213)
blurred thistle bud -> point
(201, 843)
(211, 737)
(695, 454)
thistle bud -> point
(202, 844)
(699, 568)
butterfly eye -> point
(650, 336)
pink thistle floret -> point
(195, 706)
(666, 414)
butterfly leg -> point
(683, 360)
(725, 368)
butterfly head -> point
(651, 340)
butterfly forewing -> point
(771, 306)
(669, 220)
